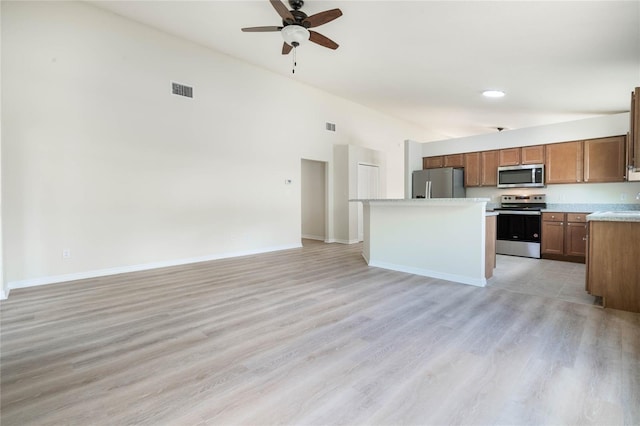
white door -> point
(368, 188)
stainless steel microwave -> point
(527, 176)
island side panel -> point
(444, 241)
(366, 232)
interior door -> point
(368, 188)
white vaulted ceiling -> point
(427, 62)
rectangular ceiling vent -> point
(331, 127)
(181, 90)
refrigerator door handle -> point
(427, 189)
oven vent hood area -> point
(525, 176)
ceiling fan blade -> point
(322, 18)
(261, 29)
(286, 48)
(322, 40)
(282, 11)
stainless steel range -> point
(519, 225)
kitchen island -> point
(613, 269)
(443, 238)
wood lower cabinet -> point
(564, 236)
(576, 235)
(613, 269)
(552, 238)
(490, 246)
(564, 162)
(604, 159)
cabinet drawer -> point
(576, 217)
(553, 217)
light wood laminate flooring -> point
(311, 336)
(542, 277)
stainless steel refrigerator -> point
(446, 182)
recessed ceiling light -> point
(493, 93)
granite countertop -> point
(590, 208)
(425, 200)
(615, 216)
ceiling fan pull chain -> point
(293, 71)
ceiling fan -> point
(296, 24)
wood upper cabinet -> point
(454, 160)
(510, 157)
(525, 155)
(472, 169)
(564, 162)
(489, 168)
(604, 159)
(534, 154)
(433, 162)
(481, 168)
(592, 160)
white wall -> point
(592, 193)
(606, 125)
(99, 158)
(314, 199)
(3, 284)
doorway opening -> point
(313, 186)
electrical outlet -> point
(66, 253)
(623, 196)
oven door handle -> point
(519, 212)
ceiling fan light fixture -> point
(493, 93)
(294, 35)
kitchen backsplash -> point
(623, 195)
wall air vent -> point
(331, 127)
(181, 90)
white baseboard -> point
(313, 237)
(345, 241)
(134, 268)
(463, 279)
(4, 295)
